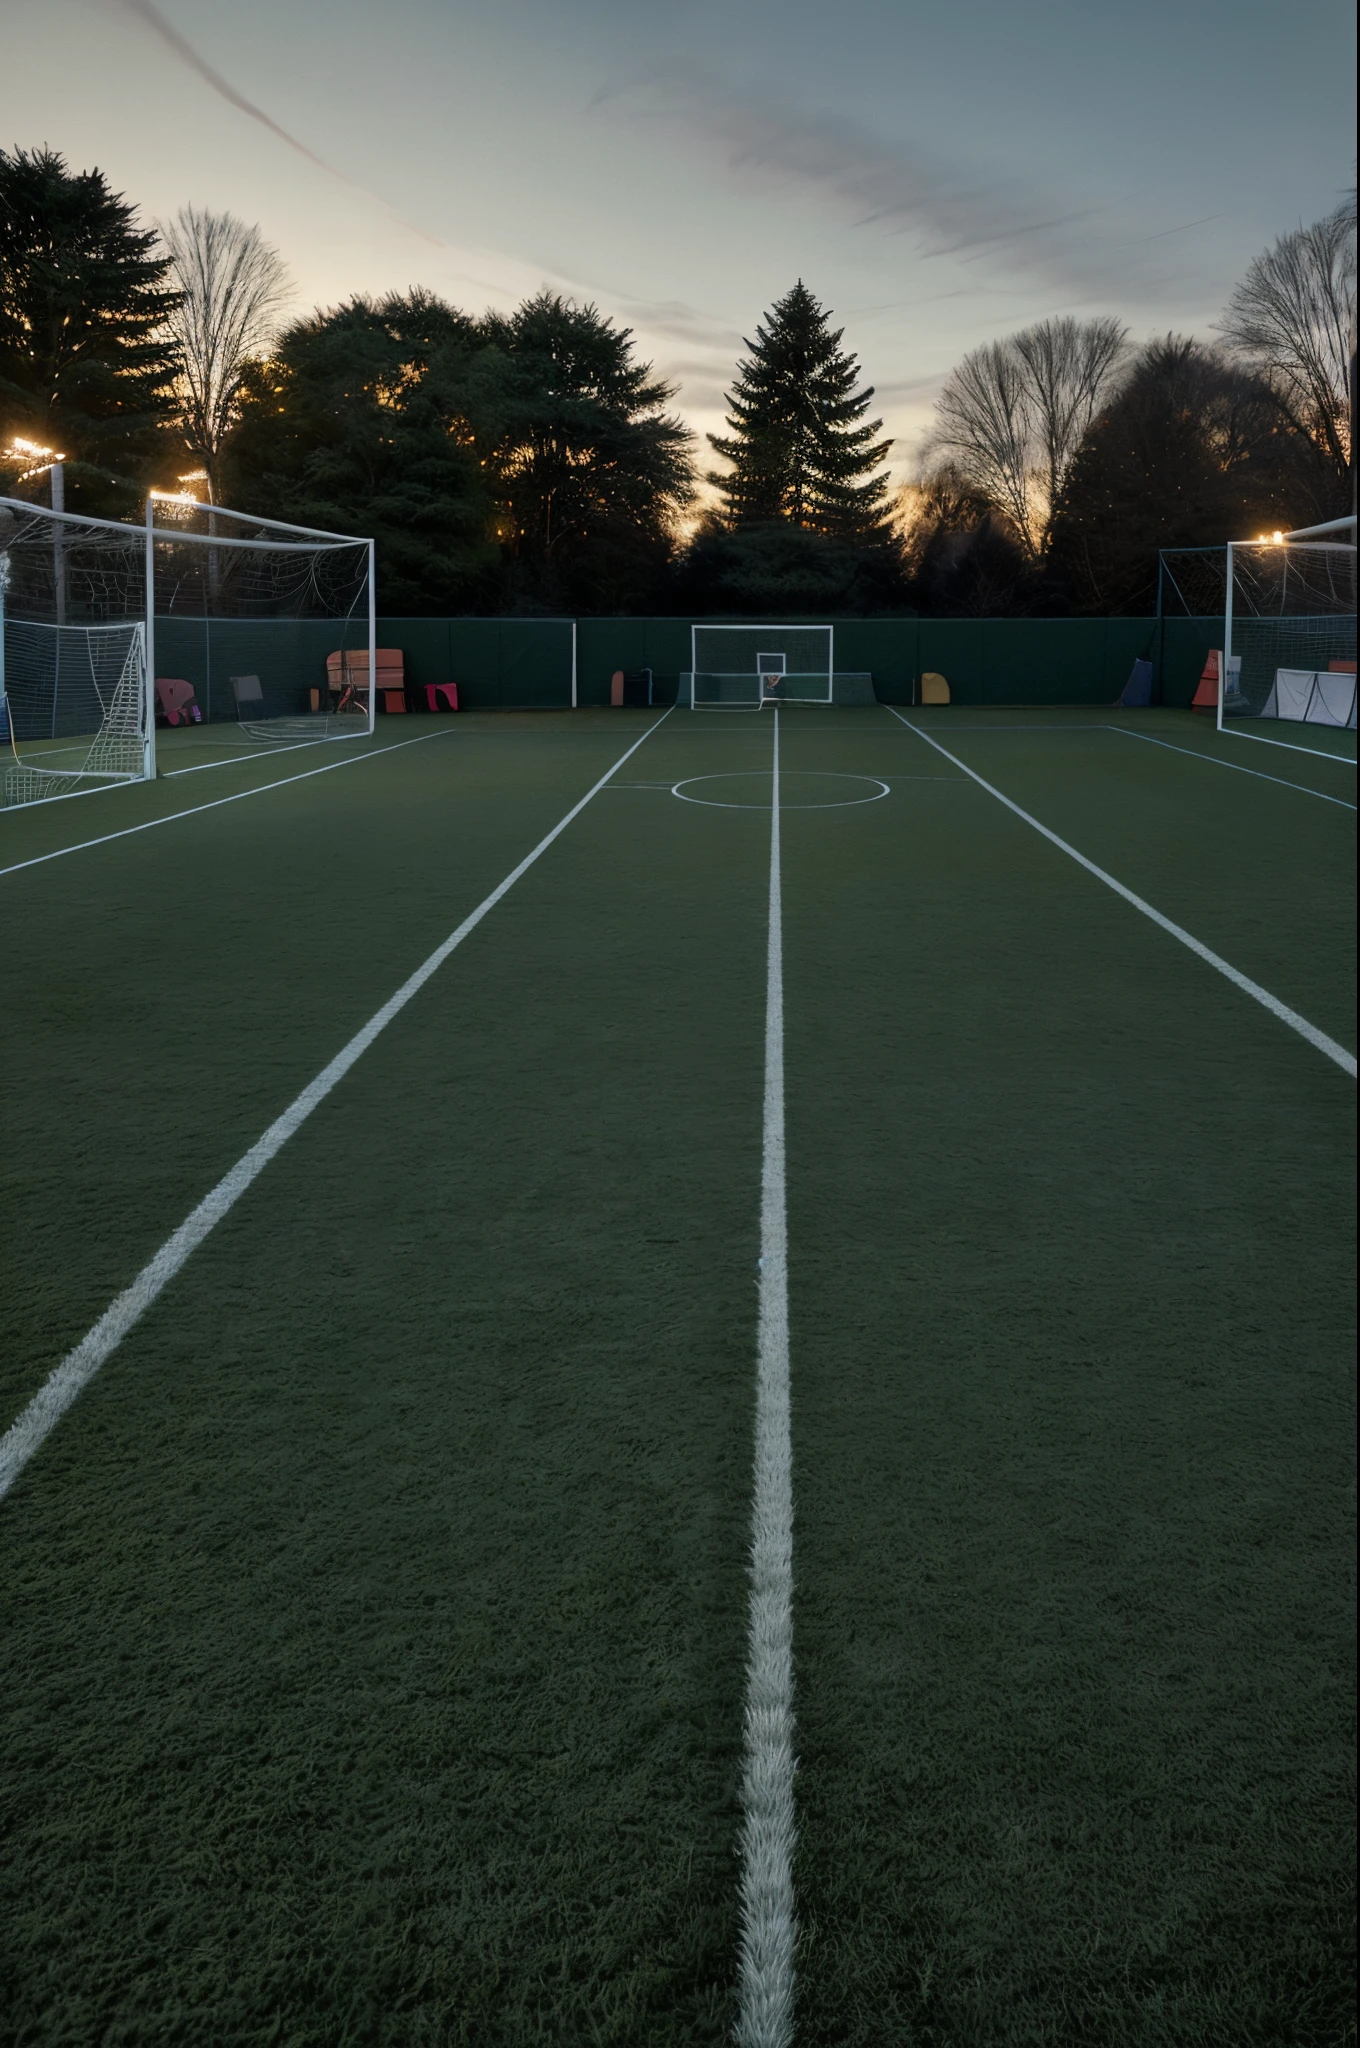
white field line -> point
(265, 753)
(1317, 753)
(76, 746)
(78, 1368)
(768, 1928)
(150, 824)
(1020, 732)
(1334, 1051)
(1236, 766)
(69, 795)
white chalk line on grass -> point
(768, 1930)
(1233, 732)
(1334, 1051)
(266, 752)
(168, 774)
(170, 818)
(1214, 761)
(69, 796)
(78, 1368)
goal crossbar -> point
(748, 666)
(233, 599)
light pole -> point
(54, 463)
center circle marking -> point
(877, 789)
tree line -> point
(531, 462)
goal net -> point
(73, 685)
(271, 626)
(740, 668)
(252, 621)
(1289, 633)
(1282, 615)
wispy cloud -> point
(871, 183)
(151, 18)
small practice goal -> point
(73, 655)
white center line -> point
(78, 1368)
(1334, 1051)
(769, 1926)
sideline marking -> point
(78, 1368)
(1345, 1060)
(68, 795)
(240, 796)
(1236, 766)
(1318, 753)
(769, 1926)
(266, 751)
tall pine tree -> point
(801, 451)
(85, 363)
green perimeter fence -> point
(528, 664)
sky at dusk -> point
(938, 175)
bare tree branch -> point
(1293, 318)
(1068, 367)
(983, 421)
(234, 286)
(1013, 414)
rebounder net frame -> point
(743, 668)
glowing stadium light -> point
(18, 446)
(34, 454)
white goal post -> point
(742, 668)
(271, 625)
(1289, 645)
(73, 655)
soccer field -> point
(376, 1618)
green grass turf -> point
(375, 1622)
(1072, 1401)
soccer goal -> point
(1287, 607)
(270, 626)
(74, 713)
(1289, 629)
(741, 668)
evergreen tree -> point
(357, 424)
(85, 364)
(588, 467)
(801, 450)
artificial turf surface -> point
(375, 1622)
